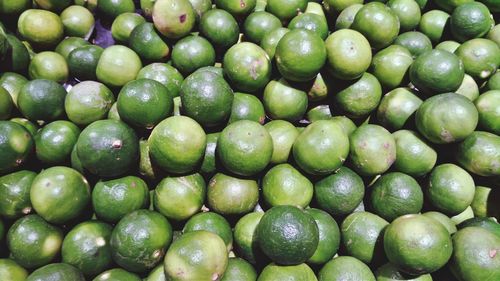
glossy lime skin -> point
(416, 42)
(124, 24)
(140, 240)
(147, 43)
(56, 272)
(244, 147)
(361, 97)
(390, 66)
(442, 219)
(408, 13)
(114, 199)
(271, 39)
(144, 103)
(287, 272)
(247, 107)
(16, 144)
(15, 194)
(179, 198)
(300, 54)
(15, 7)
(229, 195)
(237, 8)
(191, 53)
(312, 22)
(207, 98)
(209, 163)
(177, 144)
(378, 23)
(87, 248)
(481, 57)
(49, 65)
(11, 271)
(446, 118)
(82, 62)
(319, 139)
(469, 88)
(396, 108)
(285, 10)
(409, 252)
(41, 99)
(12, 82)
(27, 124)
(283, 134)
(59, 194)
(247, 67)
(372, 149)
(283, 101)
(220, 28)
(413, 155)
(284, 185)
(157, 274)
(87, 102)
(113, 145)
(113, 8)
(345, 268)
(18, 58)
(173, 18)
(333, 6)
(362, 234)
(346, 17)
(166, 74)
(470, 20)
(348, 54)
(329, 236)
(239, 269)
(244, 236)
(117, 274)
(40, 28)
(117, 66)
(55, 141)
(33, 242)
(198, 255)
(258, 24)
(287, 247)
(478, 153)
(66, 46)
(389, 272)
(433, 24)
(77, 21)
(489, 116)
(211, 222)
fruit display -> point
(249, 140)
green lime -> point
(33, 242)
(372, 149)
(345, 123)
(14, 7)
(284, 185)
(416, 244)
(245, 147)
(488, 105)
(346, 17)
(52, 5)
(283, 134)
(247, 107)
(220, 28)
(270, 40)
(396, 108)
(166, 74)
(191, 53)
(18, 58)
(481, 57)
(247, 67)
(494, 34)
(442, 219)
(117, 274)
(114, 8)
(470, 20)
(408, 13)
(87, 102)
(433, 24)
(446, 118)
(337, 6)
(237, 8)
(56, 272)
(82, 62)
(200, 7)
(55, 141)
(258, 24)
(300, 55)
(321, 148)
(320, 112)
(12, 82)
(16, 144)
(198, 255)
(147, 43)
(479, 153)
(179, 198)
(49, 65)
(489, 224)
(211, 222)
(66, 46)
(298, 272)
(492, 84)
(229, 195)
(362, 97)
(416, 42)
(390, 66)
(140, 240)
(378, 23)
(40, 28)
(11, 271)
(310, 21)
(209, 164)
(287, 235)
(173, 18)
(177, 144)
(345, 268)
(450, 5)
(15, 194)
(481, 203)
(329, 236)
(87, 248)
(469, 88)
(286, 10)
(493, 5)
(388, 272)
(449, 45)
(157, 274)
(475, 255)
(124, 24)
(77, 21)
(89, 4)
(348, 54)
(414, 156)
(283, 101)
(244, 236)
(396, 194)
(113, 199)
(118, 65)
(27, 124)
(450, 189)
(239, 269)
(6, 104)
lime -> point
(270, 40)
(87, 102)
(283, 134)
(345, 123)
(450, 5)
(15, 194)
(27, 124)
(220, 28)
(236, 7)
(6, 104)
(494, 34)
(345, 268)
(40, 28)
(337, 6)
(140, 239)
(16, 144)
(388, 272)
(179, 198)
(284, 185)
(89, 4)
(68, 44)
(191, 53)
(446, 118)
(283, 101)
(413, 155)
(108, 148)
(209, 164)
(378, 23)
(318, 91)
(361, 97)
(56, 272)
(481, 203)
(442, 219)
(117, 274)
(49, 65)
(481, 57)
(390, 66)
(346, 17)
(396, 108)
(479, 153)
(408, 13)
(117, 66)
(329, 236)
(12, 82)
(258, 24)
(286, 10)
(244, 236)
(372, 149)
(492, 84)
(147, 43)
(287, 235)
(114, 8)
(310, 21)
(493, 5)
(488, 105)
(113, 199)
(489, 224)
(55, 141)
(468, 88)
(14, 7)
(157, 274)
(177, 144)
(82, 62)
(470, 20)
(200, 7)
(416, 42)
(124, 24)
(173, 18)
(247, 107)
(229, 195)
(166, 74)
(18, 57)
(298, 272)
(449, 45)
(433, 24)
(320, 112)
(239, 269)
(11, 271)
(211, 222)
(77, 21)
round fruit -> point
(283, 135)
(41, 99)
(113, 8)
(446, 118)
(481, 57)
(12, 82)
(284, 102)
(408, 13)
(87, 102)
(346, 17)
(124, 24)
(56, 272)
(468, 88)
(244, 236)
(40, 28)
(433, 24)
(139, 241)
(117, 274)
(470, 20)
(345, 268)
(247, 107)
(191, 53)
(220, 28)
(488, 106)
(211, 222)
(391, 65)
(117, 66)
(209, 163)
(388, 272)
(413, 155)
(198, 255)
(372, 149)
(174, 18)
(16, 143)
(77, 21)
(479, 153)
(147, 43)
(284, 185)
(229, 195)
(15, 7)
(291, 272)
(107, 148)
(15, 194)
(329, 236)
(321, 148)
(378, 23)
(310, 21)
(55, 141)
(416, 42)
(333, 6)
(442, 219)
(396, 108)
(69, 44)
(271, 39)
(361, 97)
(489, 224)
(164, 73)
(239, 269)
(285, 10)
(49, 65)
(287, 235)
(11, 271)
(236, 7)
(82, 62)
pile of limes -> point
(249, 140)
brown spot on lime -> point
(215, 277)
(493, 253)
(117, 144)
(242, 4)
(19, 162)
(182, 18)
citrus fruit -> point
(124, 24)
(147, 43)
(82, 62)
(391, 65)
(244, 236)
(378, 23)
(488, 105)
(11, 271)
(479, 153)
(164, 73)
(362, 96)
(468, 88)
(310, 21)
(41, 28)
(287, 272)
(15, 194)
(236, 7)
(55, 141)
(345, 268)
(470, 20)
(247, 107)
(56, 272)
(408, 13)
(117, 66)
(285, 10)
(346, 17)
(270, 40)
(283, 101)
(239, 269)
(16, 144)
(173, 18)
(416, 42)
(220, 28)
(191, 53)
(49, 65)
(284, 185)
(77, 21)
(396, 108)
(114, 8)
(389, 272)
(116, 274)
(433, 24)
(211, 222)
(442, 219)
(413, 155)
(481, 57)
(87, 102)
(229, 195)
(329, 236)
(41, 99)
